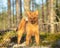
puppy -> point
(32, 27)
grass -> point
(46, 38)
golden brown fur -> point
(32, 28)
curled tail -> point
(22, 24)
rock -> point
(19, 45)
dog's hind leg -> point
(20, 36)
(21, 29)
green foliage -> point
(9, 35)
(46, 38)
(56, 43)
(49, 39)
(6, 38)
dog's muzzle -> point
(33, 22)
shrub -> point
(6, 38)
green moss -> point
(5, 38)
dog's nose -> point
(32, 22)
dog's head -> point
(32, 16)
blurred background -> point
(12, 11)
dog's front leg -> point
(37, 38)
(28, 37)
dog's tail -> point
(22, 24)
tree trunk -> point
(9, 13)
(26, 5)
(42, 11)
(43, 15)
(17, 12)
(51, 16)
(20, 9)
(48, 10)
(48, 15)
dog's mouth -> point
(33, 22)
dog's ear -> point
(28, 13)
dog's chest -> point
(31, 27)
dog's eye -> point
(30, 18)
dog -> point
(31, 26)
